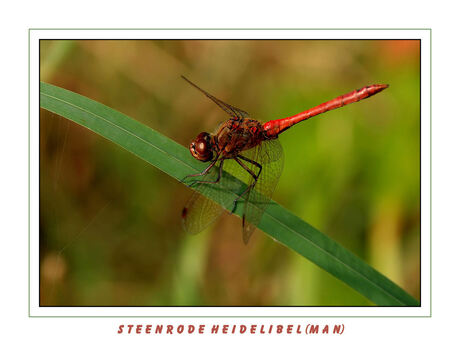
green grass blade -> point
(175, 160)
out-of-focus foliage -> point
(110, 231)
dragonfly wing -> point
(248, 229)
(231, 110)
(269, 154)
(200, 213)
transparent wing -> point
(231, 110)
(200, 212)
(269, 154)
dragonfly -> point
(253, 154)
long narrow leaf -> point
(175, 160)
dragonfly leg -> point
(255, 176)
(209, 182)
(206, 171)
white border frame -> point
(423, 311)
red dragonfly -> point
(252, 153)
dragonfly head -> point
(201, 148)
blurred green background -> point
(110, 227)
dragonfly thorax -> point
(237, 135)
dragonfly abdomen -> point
(275, 127)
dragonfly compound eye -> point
(201, 148)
